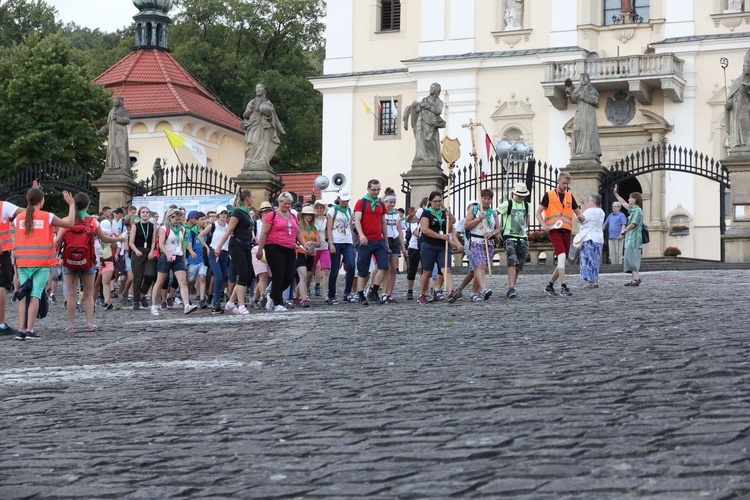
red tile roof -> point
(152, 84)
(301, 184)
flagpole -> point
(182, 166)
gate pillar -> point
(115, 188)
(424, 180)
(737, 237)
(587, 175)
(263, 183)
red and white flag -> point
(485, 146)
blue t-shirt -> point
(193, 241)
(615, 221)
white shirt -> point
(172, 244)
(342, 228)
(592, 227)
(219, 232)
(9, 209)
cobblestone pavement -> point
(614, 392)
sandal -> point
(633, 283)
(70, 329)
(91, 328)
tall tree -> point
(19, 18)
(49, 107)
(231, 45)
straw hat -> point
(308, 210)
(520, 189)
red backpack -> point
(78, 246)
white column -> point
(339, 37)
(338, 137)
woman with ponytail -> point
(34, 249)
(87, 276)
(242, 229)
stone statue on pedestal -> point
(514, 15)
(585, 142)
(118, 150)
(262, 129)
(426, 122)
(738, 109)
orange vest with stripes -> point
(557, 211)
(6, 235)
(38, 248)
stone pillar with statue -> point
(116, 183)
(426, 174)
(737, 237)
(262, 138)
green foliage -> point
(48, 107)
(19, 18)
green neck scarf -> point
(438, 215)
(243, 209)
(83, 214)
(193, 229)
(373, 201)
(343, 211)
(175, 230)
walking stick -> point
(471, 126)
(451, 152)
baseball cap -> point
(345, 196)
(192, 214)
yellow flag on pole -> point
(178, 141)
(367, 108)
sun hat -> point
(320, 202)
(472, 202)
(266, 205)
(308, 210)
(520, 189)
(345, 196)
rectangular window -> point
(613, 13)
(390, 15)
(388, 117)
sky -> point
(107, 15)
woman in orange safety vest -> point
(34, 251)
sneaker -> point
(333, 302)
(5, 329)
(550, 290)
(21, 336)
(438, 294)
(32, 335)
(383, 298)
(91, 327)
(296, 302)
(164, 306)
(410, 295)
(52, 298)
(364, 300)
(430, 298)
(155, 310)
(372, 296)
(280, 309)
(486, 294)
(305, 303)
(176, 301)
(192, 307)
(352, 298)
(269, 304)
(217, 310)
(476, 297)
(230, 307)
(136, 306)
(511, 293)
(317, 289)
(564, 290)
(202, 304)
(70, 329)
(144, 302)
(454, 295)
(108, 306)
(242, 310)
(422, 300)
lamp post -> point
(513, 157)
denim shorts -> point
(178, 264)
(195, 270)
(433, 255)
(376, 248)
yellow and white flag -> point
(177, 141)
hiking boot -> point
(454, 295)
(564, 290)
(550, 290)
(511, 293)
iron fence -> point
(185, 180)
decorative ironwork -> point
(185, 180)
(51, 176)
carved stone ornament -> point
(620, 110)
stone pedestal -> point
(587, 173)
(737, 237)
(115, 188)
(262, 183)
(423, 180)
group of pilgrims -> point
(239, 258)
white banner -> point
(203, 203)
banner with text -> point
(202, 203)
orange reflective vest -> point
(38, 248)
(6, 235)
(557, 211)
